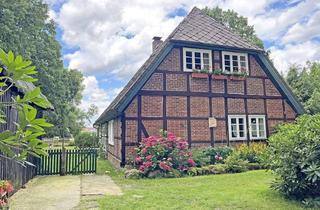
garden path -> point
(63, 192)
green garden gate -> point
(76, 161)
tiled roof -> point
(199, 27)
(195, 27)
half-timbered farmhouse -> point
(205, 84)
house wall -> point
(171, 99)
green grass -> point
(250, 190)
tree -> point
(236, 23)
(305, 83)
(29, 127)
(27, 30)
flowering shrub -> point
(163, 156)
(6, 187)
(218, 154)
(254, 153)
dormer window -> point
(197, 59)
(234, 62)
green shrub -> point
(254, 153)
(218, 154)
(200, 157)
(86, 139)
(294, 152)
(133, 174)
(217, 169)
(234, 163)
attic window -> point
(234, 62)
(197, 59)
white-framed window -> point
(197, 59)
(234, 62)
(110, 133)
(237, 127)
(257, 125)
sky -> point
(109, 40)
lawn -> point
(248, 190)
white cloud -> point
(93, 94)
(301, 32)
(295, 54)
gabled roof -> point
(197, 28)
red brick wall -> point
(154, 83)
(255, 86)
(217, 86)
(218, 109)
(176, 82)
(236, 106)
(235, 87)
(131, 131)
(199, 106)
(271, 90)
(172, 61)
(255, 68)
(199, 85)
(151, 106)
(178, 127)
(275, 108)
(153, 126)
(132, 109)
(255, 106)
(200, 130)
(177, 106)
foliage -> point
(133, 174)
(234, 163)
(205, 170)
(306, 86)
(29, 128)
(200, 157)
(6, 187)
(294, 153)
(218, 154)
(27, 30)
(236, 23)
(87, 139)
(164, 155)
(254, 153)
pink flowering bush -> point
(164, 155)
(6, 187)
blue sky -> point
(109, 40)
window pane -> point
(240, 120)
(189, 60)
(253, 120)
(242, 58)
(189, 66)
(241, 127)
(241, 134)
(227, 68)
(197, 60)
(227, 57)
(235, 58)
(233, 120)
(227, 63)
(261, 133)
(261, 121)
(197, 54)
(206, 55)
(188, 53)
(254, 133)
(198, 66)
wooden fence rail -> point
(17, 172)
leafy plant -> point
(25, 140)
(294, 152)
(164, 155)
(87, 139)
(234, 163)
(254, 153)
(200, 157)
(218, 72)
(218, 154)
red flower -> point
(138, 159)
(148, 164)
(9, 187)
(141, 168)
(149, 157)
(143, 151)
(191, 162)
(164, 166)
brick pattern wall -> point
(271, 90)
(255, 68)
(236, 106)
(255, 106)
(177, 106)
(132, 109)
(178, 127)
(176, 82)
(290, 113)
(131, 131)
(275, 108)
(218, 109)
(172, 61)
(235, 87)
(217, 86)
(199, 85)
(115, 149)
(200, 130)
(220, 131)
(153, 126)
(154, 83)
(272, 124)
(151, 106)
(255, 86)
(199, 106)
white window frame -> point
(110, 133)
(194, 50)
(231, 62)
(237, 125)
(257, 129)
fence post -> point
(63, 161)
